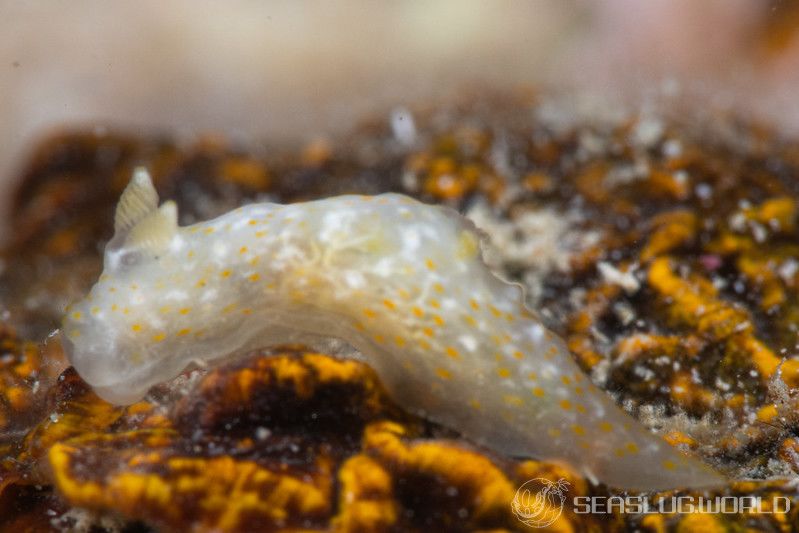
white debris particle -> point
(704, 191)
(403, 126)
(79, 520)
(672, 148)
(788, 270)
(625, 174)
(624, 312)
(719, 282)
(614, 276)
(663, 360)
(722, 385)
(647, 132)
(737, 222)
(410, 181)
(592, 143)
(646, 374)
(537, 241)
(759, 232)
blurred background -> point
(260, 71)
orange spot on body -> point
(452, 352)
(443, 373)
(514, 401)
(552, 351)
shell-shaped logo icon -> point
(539, 502)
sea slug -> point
(401, 281)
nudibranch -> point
(401, 281)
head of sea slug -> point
(99, 332)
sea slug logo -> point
(539, 502)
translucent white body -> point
(401, 281)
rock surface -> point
(674, 278)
